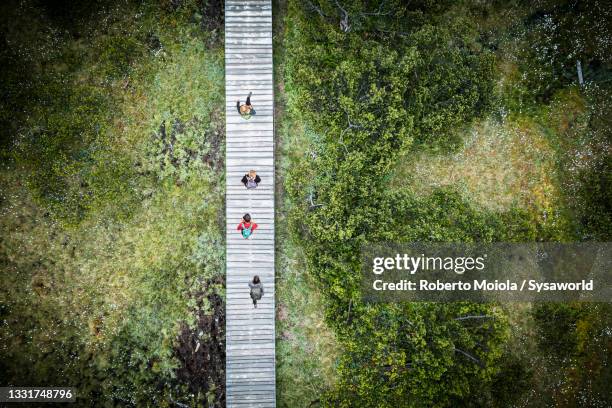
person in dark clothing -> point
(256, 289)
(251, 179)
(245, 110)
(246, 227)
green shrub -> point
(366, 91)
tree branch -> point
(179, 404)
(349, 317)
(317, 9)
(471, 317)
(344, 22)
(312, 204)
(377, 12)
(471, 357)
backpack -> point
(256, 292)
(251, 184)
(246, 232)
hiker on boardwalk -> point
(246, 227)
(245, 110)
(257, 290)
(251, 179)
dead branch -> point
(349, 317)
(178, 404)
(474, 317)
(316, 8)
(312, 203)
(344, 22)
(471, 357)
(377, 12)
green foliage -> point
(365, 91)
(185, 134)
(368, 85)
(559, 33)
(509, 383)
(110, 247)
(576, 340)
(587, 164)
(376, 85)
(62, 143)
(118, 52)
(417, 355)
(557, 325)
(67, 163)
(452, 83)
(545, 41)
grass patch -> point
(306, 349)
(499, 166)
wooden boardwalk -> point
(250, 375)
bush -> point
(366, 91)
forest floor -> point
(306, 349)
(111, 226)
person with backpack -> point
(257, 290)
(251, 179)
(246, 227)
(245, 110)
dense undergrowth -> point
(111, 246)
(376, 85)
